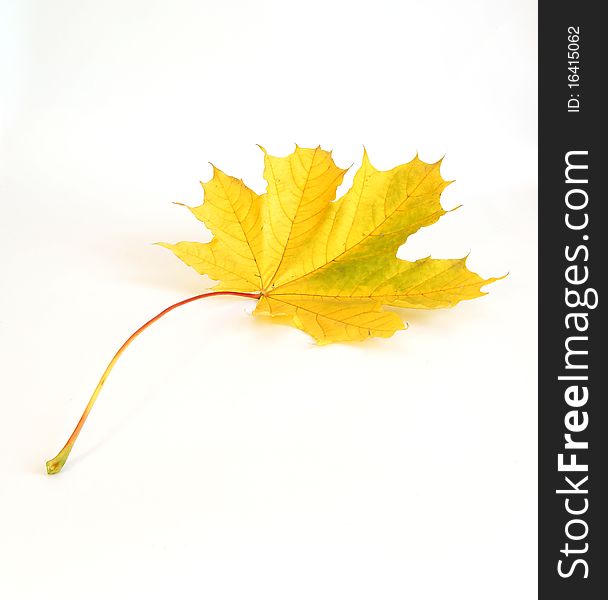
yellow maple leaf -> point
(328, 265)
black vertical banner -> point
(573, 346)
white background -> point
(229, 457)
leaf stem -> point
(55, 465)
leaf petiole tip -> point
(55, 465)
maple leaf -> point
(328, 265)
